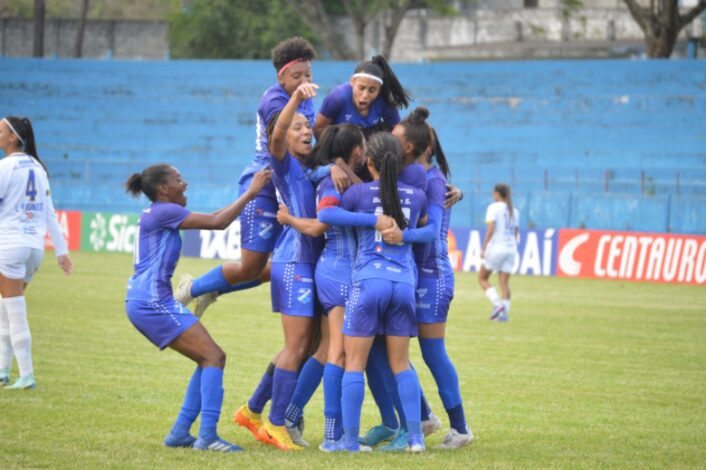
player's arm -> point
(320, 125)
(278, 143)
(57, 237)
(488, 235)
(221, 219)
(341, 215)
(310, 227)
(421, 234)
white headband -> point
(368, 75)
(13, 130)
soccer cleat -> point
(202, 302)
(504, 317)
(498, 310)
(23, 383)
(398, 444)
(248, 419)
(332, 446)
(216, 445)
(455, 440)
(431, 425)
(416, 444)
(361, 448)
(179, 441)
(183, 290)
(4, 381)
(277, 436)
(295, 433)
(378, 434)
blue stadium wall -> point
(597, 144)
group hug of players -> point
(351, 233)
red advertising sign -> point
(70, 222)
(632, 256)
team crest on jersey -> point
(265, 230)
(422, 292)
(377, 265)
(348, 117)
(304, 295)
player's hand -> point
(65, 264)
(305, 91)
(393, 235)
(453, 195)
(283, 215)
(384, 222)
(340, 179)
(482, 253)
(259, 181)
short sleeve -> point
(490, 214)
(350, 198)
(333, 103)
(271, 106)
(281, 167)
(327, 195)
(436, 192)
(171, 215)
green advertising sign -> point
(104, 231)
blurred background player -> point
(151, 308)
(499, 251)
(26, 213)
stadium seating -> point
(595, 144)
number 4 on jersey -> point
(31, 190)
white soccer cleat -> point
(431, 425)
(202, 302)
(295, 433)
(456, 440)
(183, 290)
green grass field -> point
(586, 374)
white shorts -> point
(20, 263)
(500, 260)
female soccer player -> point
(155, 313)
(333, 279)
(382, 296)
(500, 250)
(435, 288)
(371, 99)
(26, 213)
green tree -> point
(221, 29)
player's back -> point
(25, 200)
(504, 234)
(339, 245)
(375, 258)
(432, 258)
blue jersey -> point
(415, 175)
(433, 258)
(272, 102)
(157, 250)
(376, 259)
(338, 106)
(295, 191)
(339, 247)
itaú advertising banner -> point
(70, 222)
(537, 250)
(632, 256)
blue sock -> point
(211, 402)
(378, 354)
(333, 428)
(444, 372)
(352, 395)
(408, 386)
(457, 419)
(212, 281)
(376, 384)
(307, 383)
(191, 407)
(263, 392)
(240, 286)
(425, 408)
(283, 385)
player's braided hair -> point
(384, 151)
(338, 140)
(147, 181)
(392, 90)
(506, 194)
(23, 127)
(292, 49)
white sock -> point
(492, 295)
(5, 344)
(19, 333)
(506, 303)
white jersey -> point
(26, 208)
(505, 229)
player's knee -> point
(215, 357)
(337, 357)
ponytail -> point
(506, 194)
(384, 151)
(22, 128)
(147, 181)
(438, 153)
(338, 140)
(391, 91)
